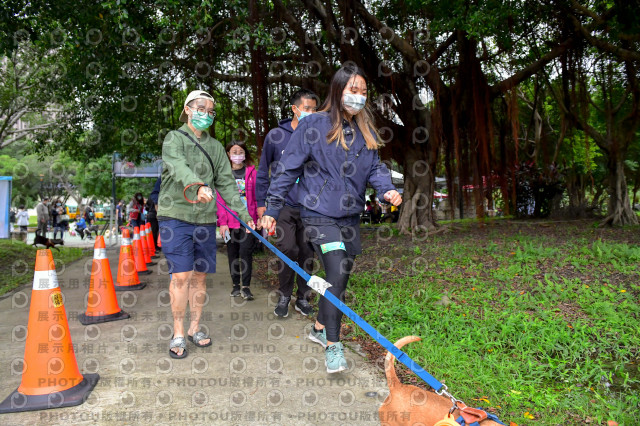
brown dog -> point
(411, 405)
(49, 243)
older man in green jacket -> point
(187, 213)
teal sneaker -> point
(319, 337)
(334, 358)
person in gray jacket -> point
(42, 210)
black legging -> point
(337, 266)
(155, 229)
(240, 254)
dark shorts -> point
(333, 234)
(188, 247)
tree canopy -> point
(531, 107)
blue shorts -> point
(188, 247)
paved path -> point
(70, 240)
(260, 369)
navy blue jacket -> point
(274, 144)
(155, 194)
(332, 181)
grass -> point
(540, 324)
(17, 262)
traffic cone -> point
(149, 239)
(138, 255)
(127, 278)
(50, 375)
(152, 243)
(144, 241)
(102, 304)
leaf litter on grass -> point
(535, 315)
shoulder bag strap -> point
(199, 147)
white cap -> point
(196, 94)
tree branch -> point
(301, 37)
(624, 54)
(293, 80)
(442, 48)
(403, 47)
(528, 71)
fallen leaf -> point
(513, 424)
(528, 415)
(623, 291)
(516, 392)
(612, 423)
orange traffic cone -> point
(144, 241)
(149, 238)
(102, 304)
(50, 375)
(138, 255)
(127, 278)
(152, 243)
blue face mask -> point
(303, 114)
(353, 102)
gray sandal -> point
(198, 337)
(178, 342)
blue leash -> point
(320, 286)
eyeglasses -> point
(202, 111)
(306, 108)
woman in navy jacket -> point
(334, 153)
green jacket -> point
(183, 165)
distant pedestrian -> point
(240, 244)
(152, 217)
(81, 228)
(135, 210)
(42, 210)
(89, 214)
(22, 218)
(12, 217)
(60, 219)
(119, 214)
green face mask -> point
(201, 122)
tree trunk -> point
(619, 212)
(258, 83)
(416, 213)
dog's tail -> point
(389, 361)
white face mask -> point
(353, 103)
